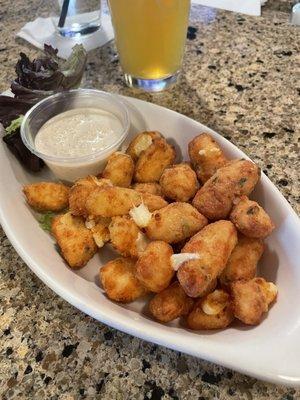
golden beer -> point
(150, 37)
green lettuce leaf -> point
(45, 220)
(14, 125)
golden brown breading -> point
(99, 228)
(81, 190)
(179, 182)
(251, 219)
(153, 267)
(214, 243)
(119, 280)
(119, 169)
(141, 142)
(47, 196)
(153, 202)
(206, 156)
(112, 201)
(124, 234)
(210, 287)
(152, 162)
(170, 304)
(175, 222)
(215, 198)
(150, 187)
(251, 299)
(242, 263)
(74, 239)
(213, 311)
(269, 288)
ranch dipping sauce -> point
(78, 132)
(75, 131)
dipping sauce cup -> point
(69, 167)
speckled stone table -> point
(241, 78)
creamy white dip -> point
(78, 132)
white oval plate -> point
(270, 351)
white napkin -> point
(42, 30)
(251, 7)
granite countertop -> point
(239, 78)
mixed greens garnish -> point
(36, 80)
(45, 220)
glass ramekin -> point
(69, 169)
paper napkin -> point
(251, 7)
(42, 30)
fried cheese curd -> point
(99, 228)
(242, 263)
(150, 187)
(251, 219)
(152, 161)
(126, 237)
(112, 201)
(174, 223)
(74, 239)
(214, 244)
(206, 156)
(141, 142)
(115, 201)
(81, 190)
(119, 169)
(171, 303)
(47, 196)
(251, 299)
(153, 268)
(118, 278)
(152, 201)
(179, 182)
(214, 311)
(215, 198)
